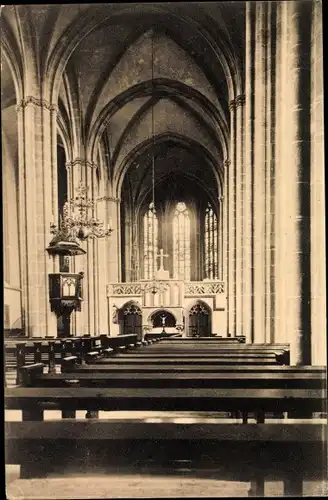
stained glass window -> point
(211, 244)
(181, 241)
(150, 241)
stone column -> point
(221, 239)
(37, 180)
(84, 321)
(104, 249)
(113, 207)
(297, 178)
(225, 240)
(248, 324)
(259, 173)
(270, 173)
(318, 270)
(232, 224)
(240, 101)
(281, 189)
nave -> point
(164, 249)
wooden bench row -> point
(184, 385)
(54, 352)
(255, 453)
(270, 449)
(297, 390)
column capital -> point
(109, 198)
(221, 198)
(240, 100)
(232, 105)
(227, 163)
(80, 161)
(42, 103)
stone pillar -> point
(37, 180)
(270, 172)
(281, 189)
(113, 207)
(259, 173)
(225, 238)
(297, 178)
(318, 270)
(104, 249)
(232, 224)
(85, 321)
(221, 237)
(248, 324)
(240, 101)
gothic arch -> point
(199, 319)
(179, 139)
(164, 311)
(92, 18)
(162, 87)
(131, 318)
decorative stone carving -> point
(80, 161)
(126, 289)
(232, 105)
(115, 314)
(204, 288)
(240, 100)
(37, 102)
(109, 198)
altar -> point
(190, 307)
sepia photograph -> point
(164, 250)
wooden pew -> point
(244, 379)
(53, 351)
(236, 450)
(142, 367)
(176, 361)
(181, 391)
(257, 401)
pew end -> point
(26, 374)
(69, 362)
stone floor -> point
(129, 485)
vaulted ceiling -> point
(135, 80)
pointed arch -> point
(162, 87)
(200, 319)
(182, 140)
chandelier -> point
(76, 221)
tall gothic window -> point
(211, 244)
(150, 241)
(181, 241)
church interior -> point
(164, 235)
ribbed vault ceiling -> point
(108, 109)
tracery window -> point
(211, 244)
(181, 241)
(150, 241)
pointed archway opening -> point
(200, 320)
(132, 319)
(163, 318)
